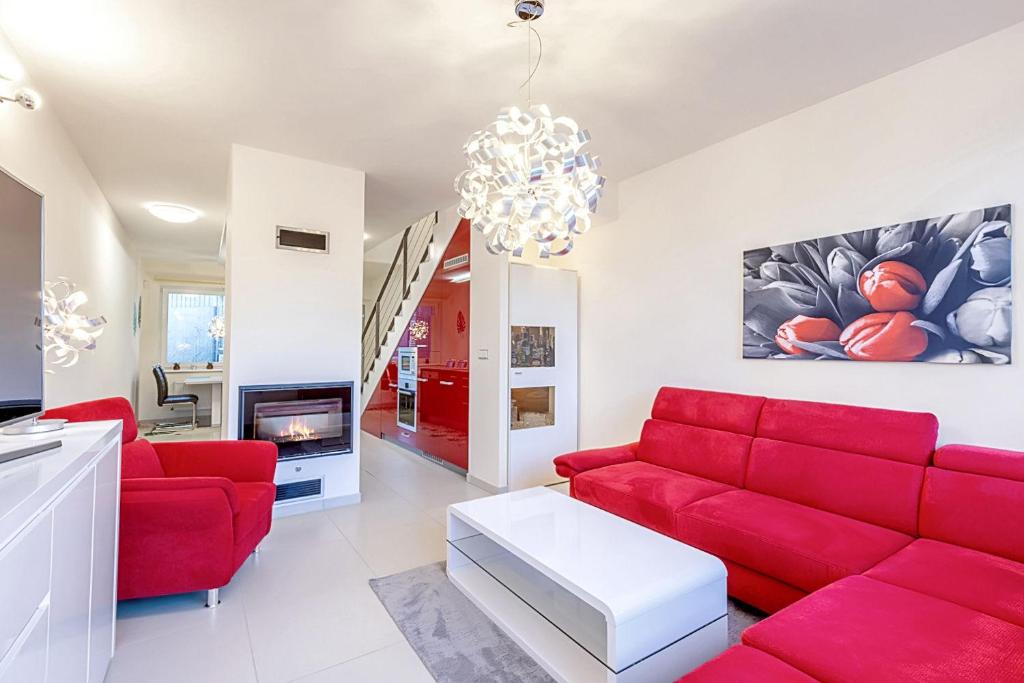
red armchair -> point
(191, 511)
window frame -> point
(165, 291)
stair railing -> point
(412, 251)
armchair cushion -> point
(139, 459)
(186, 485)
(571, 464)
(239, 461)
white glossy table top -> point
(28, 482)
(622, 568)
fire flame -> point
(297, 429)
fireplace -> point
(304, 420)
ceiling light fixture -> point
(26, 97)
(173, 213)
(528, 176)
(366, 236)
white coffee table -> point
(590, 596)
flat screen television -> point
(21, 303)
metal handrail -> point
(416, 240)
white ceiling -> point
(153, 92)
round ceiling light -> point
(173, 213)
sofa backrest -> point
(139, 460)
(974, 497)
(863, 463)
(704, 433)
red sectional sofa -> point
(913, 566)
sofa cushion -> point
(892, 434)
(702, 452)
(991, 462)
(867, 488)
(139, 460)
(974, 511)
(704, 433)
(799, 545)
(986, 583)
(643, 493)
(859, 629)
(742, 664)
(736, 413)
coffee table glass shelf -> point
(589, 595)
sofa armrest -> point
(241, 461)
(185, 488)
(571, 464)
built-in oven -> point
(407, 383)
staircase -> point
(416, 258)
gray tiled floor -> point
(301, 610)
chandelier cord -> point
(531, 68)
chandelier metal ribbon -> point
(528, 176)
(66, 333)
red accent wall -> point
(441, 324)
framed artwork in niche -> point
(533, 347)
(934, 290)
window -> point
(191, 336)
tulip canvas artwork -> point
(935, 290)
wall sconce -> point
(66, 333)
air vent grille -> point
(455, 262)
(310, 488)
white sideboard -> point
(58, 556)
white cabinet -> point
(58, 557)
(543, 372)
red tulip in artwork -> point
(893, 286)
(888, 336)
(805, 329)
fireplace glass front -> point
(304, 421)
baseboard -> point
(486, 486)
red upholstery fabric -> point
(801, 546)
(571, 464)
(115, 408)
(986, 583)
(974, 511)
(870, 489)
(759, 590)
(139, 459)
(252, 522)
(736, 413)
(191, 512)
(893, 434)
(238, 461)
(742, 664)
(185, 485)
(708, 453)
(992, 462)
(860, 630)
(642, 492)
(174, 541)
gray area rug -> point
(458, 643)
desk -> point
(215, 382)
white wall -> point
(293, 316)
(661, 286)
(156, 274)
(84, 242)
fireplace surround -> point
(306, 420)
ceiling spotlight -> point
(366, 236)
(173, 213)
(27, 98)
